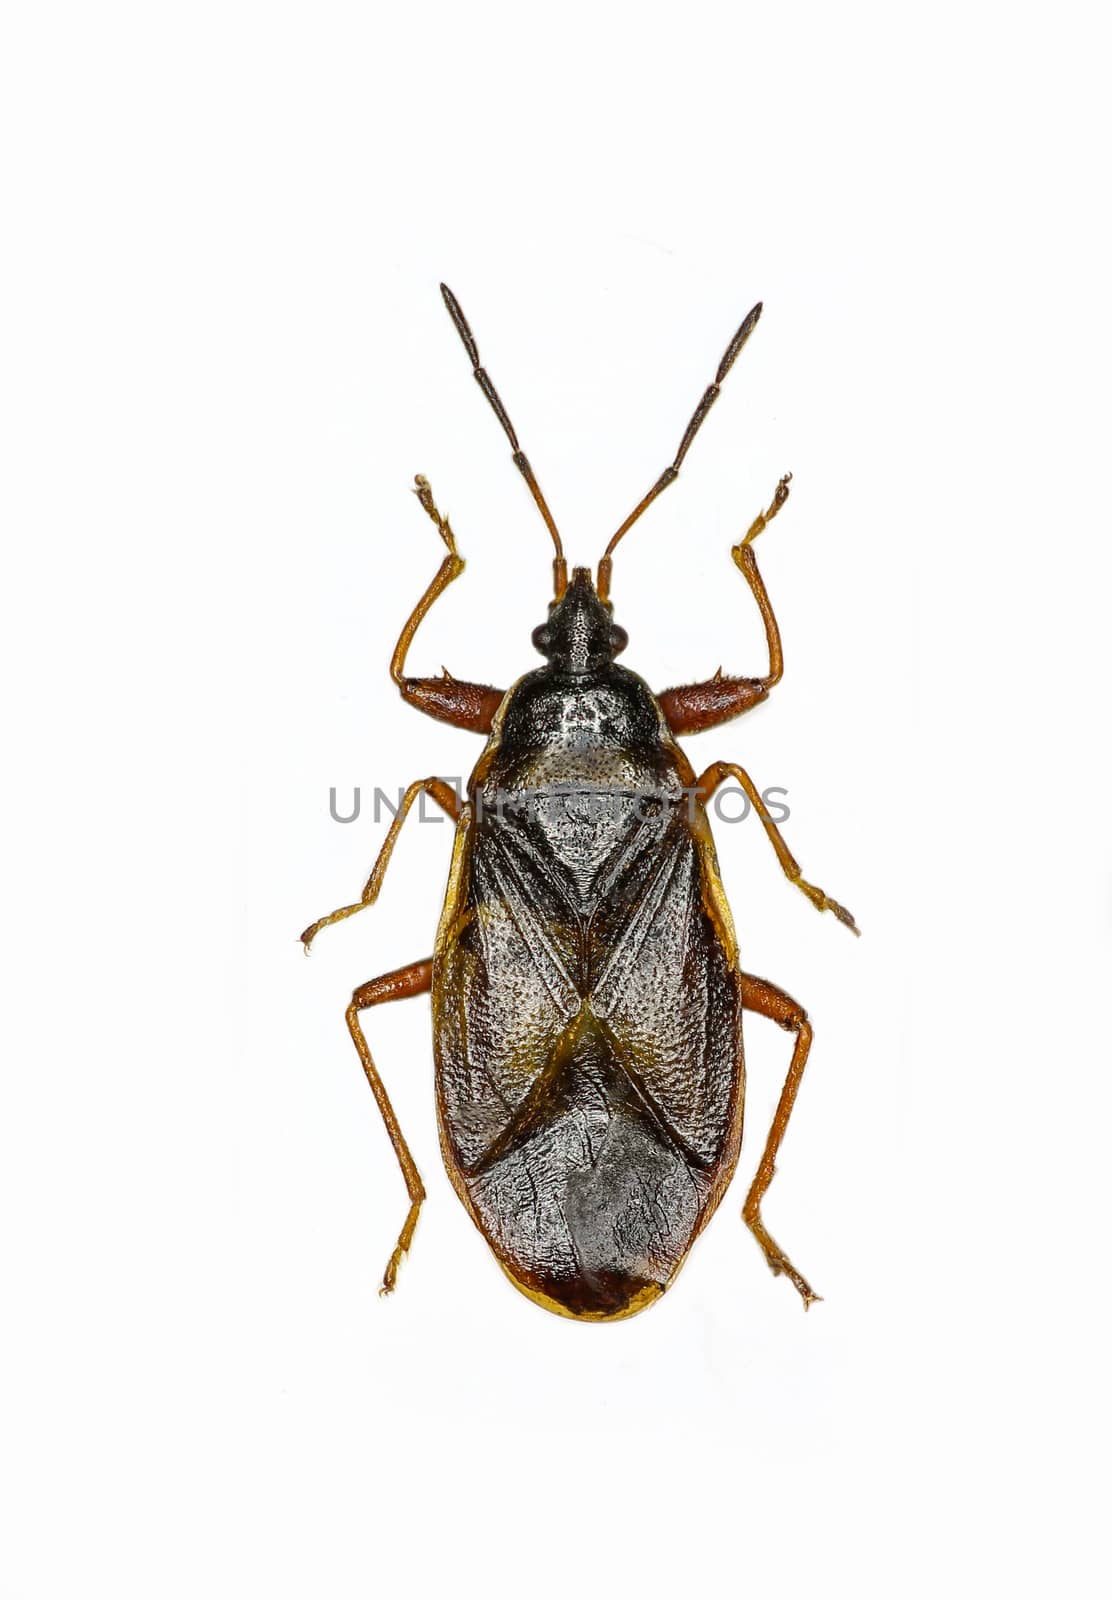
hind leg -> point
(768, 1001)
(414, 979)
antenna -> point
(670, 474)
(521, 461)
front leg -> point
(464, 705)
(696, 706)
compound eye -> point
(542, 638)
(619, 638)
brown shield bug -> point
(587, 993)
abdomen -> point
(590, 1204)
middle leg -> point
(445, 797)
(710, 781)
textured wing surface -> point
(667, 994)
(590, 1204)
(503, 992)
(539, 928)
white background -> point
(224, 358)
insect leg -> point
(414, 979)
(445, 797)
(717, 774)
(769, 1001)
(696, 706)
(464, 705)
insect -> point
(587, 993)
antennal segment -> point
(670, 474)
(521, 461)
